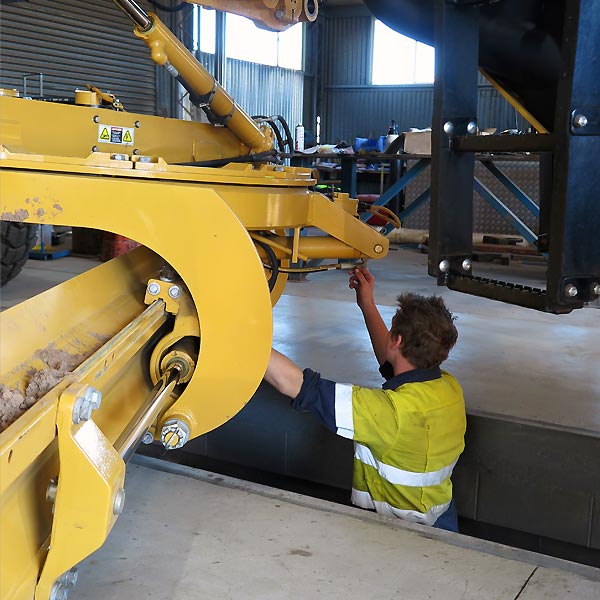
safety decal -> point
(110, 134)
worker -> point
(407, 436)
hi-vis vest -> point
(407, 442)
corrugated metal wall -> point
(262, 89)
(350, 107)
(73, 43)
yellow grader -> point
(166, 342)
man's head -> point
(426, 330)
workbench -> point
(187, 533)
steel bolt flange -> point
(580, 121)
(153, 288)
(571, 291)
(448, 128)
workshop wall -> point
(74, 43)
(262, 89)
(351, 107)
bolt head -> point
(147, 438)
(378, 248)
(95, 148)
(580, 121)
(444, 266)
(174, 434)
(466, 264)
(137, 124)
(153, 288)
(119, 502)
(174, 291)
(51, 490)
(472, 127)
(96, 119)
(449, 127)
(571, 291)
(596, 289)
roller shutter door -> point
(74, 43)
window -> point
(399, 60)
(204, 29)
(245, 41)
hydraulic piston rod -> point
(158, 401)
(166, 50)
(137, 15)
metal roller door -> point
(73, 43)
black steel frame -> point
(569, 228)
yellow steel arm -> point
(166, 50)
(275, 15)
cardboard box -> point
(418, 142)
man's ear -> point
(397, 343)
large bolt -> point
(571, 290)
(580, 121)
(378, 248)
(174, 434)
(444, 266)
(472, 127)
(174, 291)
(466, 264)
(84, 405)
(449, 127)
(596, 289)
(119, 502)
(153, 288)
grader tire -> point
(16, 240)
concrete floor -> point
(222, 538)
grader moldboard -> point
(147, 341)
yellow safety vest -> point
(407, 442)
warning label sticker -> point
(110, 134)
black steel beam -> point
(454, 113)
(529, 142)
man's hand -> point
(363, 283)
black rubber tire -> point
(16, 240)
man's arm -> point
(284, 375)
(363, 283)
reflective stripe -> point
(364, 500)
(399, 476)
(344, 420)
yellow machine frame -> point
(165, 357)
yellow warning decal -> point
(114, 134)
